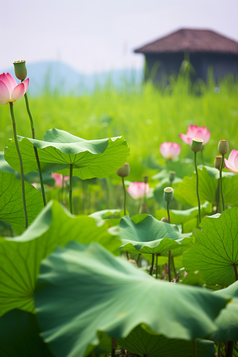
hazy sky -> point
(95, 35)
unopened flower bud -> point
(223, 147)
(165, 219)
(20, 69)
(124, 170)
(168, 194)
(196, 144)
(172, 175)
(218, 161)
(143, 208)
(145, 178)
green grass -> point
(145, 116)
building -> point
(205, 49)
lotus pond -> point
(99, 265)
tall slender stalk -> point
(124, 189)
(197, 185)
(168, 211)
(169, 266)
(20, 162)
(230, 346)
(71, 187)
(222, 197)
(194, 348)
(218, 195)
(152, 264)
(35, 149)
(138, 260)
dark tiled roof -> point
(193, 41)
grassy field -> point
(145, 116)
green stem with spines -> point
(21, 164)
(197, 185)
(170, 256)
(71, 187)
(222, 197)
(124, 189)
(35, 149)
(152, 265)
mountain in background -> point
(58, 77)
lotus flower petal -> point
(18, 92)
(195, 131)
(232, 162)
(138, 189)
(9, 81)
(26, 84)
(170, 150)
(4, 93)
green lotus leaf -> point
(143, 344)
(144, 234)
(108, 214)
(21, 256)
(83, 289)
(11, 205)
(186, 191)
(182, 216)
(214, 253)
(227, 320)
(90, 158)
(19, 336)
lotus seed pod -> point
(124, 170)
(165, 219)
(145, 178)
(143, 208)
(172, 175)
(218, 161)
(196, 144)
(223, 147)
(20, 69)
(168, 194)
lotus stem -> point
(169, 266)
(230, 346)
(219, 350)
(21, 164)
(152, 265)
(222, 197)
(35, 149)
(197, 184)
(236, 273)
(62, 190)
(71, 187)
(138, 260)
(218, 195)
(168, 211)
(157, 268)
(194, 348)
(124, 189)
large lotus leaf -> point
(215, 252)
(186, 191)
(145, 234)
(182, 216)
(21, 257)
(90, 158)
(108, 214)
(145, 344)
(227, 320)
(19, 336)
(83, 289)
(11, 204)
(186, 242)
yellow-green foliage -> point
(144, 115)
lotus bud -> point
(124, 170)
(168, 194)
(20, 69)
(223, 147)
(218, 161)
(172, 175)
(143, 208)
(196, 144)
(165, 219)
(145, 178)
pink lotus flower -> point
(232, 162)
(34, 184)
(195, 131)
(138, 189)
(10, 91)
(170, 150)
(59, 179)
